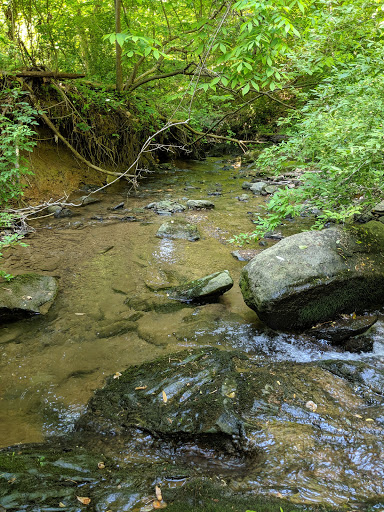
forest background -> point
(119, 82)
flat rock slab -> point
(206, 287)
(26, 295)
(178, 229)
(314, 276)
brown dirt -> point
(56, 173)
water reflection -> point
(166, 251)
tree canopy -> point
(321, 60)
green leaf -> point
(156, 54)
(120, 38)
(245, 89)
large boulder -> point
(313, 276)
(292, 424)
(26, 295)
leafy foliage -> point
(16, 121)
(337, 144)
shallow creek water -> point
(108, 272)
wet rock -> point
(166, 207)
(245, 254)
(290, 426)
(198, 204)
(243, 197)
(118, 206)
(258, 188)
(26, 295)
(379, 208)
(49, 477)
(204, 288)
(89, 200)
(155, 397)
(314, 276)
(274, 235)
(59, 212)
(271, 189)
(178, 229)
(341, 329)
(115, 329)
(246, 185)
(294, 424)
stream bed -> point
(108, 316)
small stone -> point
(311, 406)
(89, 200)
(258, 188)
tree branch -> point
(159, 77)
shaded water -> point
(108, 314)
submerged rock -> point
(204, 288)
(193, 393)
(314, 276)
(26, 295)
(340, 330)
(178, 229)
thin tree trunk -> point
(119, 70)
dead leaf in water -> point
(158, 493)
(165, 398)
(140, 387)
(369, 419)
(117, 375)
(101, 465)
(79, 314)
(61, 505)
(84, 500)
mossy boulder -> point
(26, 295)
(156, 397)
(206, 287)
(314, 276)
(178, 229)
(291, 425)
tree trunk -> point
(119, 70)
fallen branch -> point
(49, 123)
(241, 143)
(43, 74)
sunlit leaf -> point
(84, 500)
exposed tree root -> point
(49, 123)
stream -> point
(106, 317)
